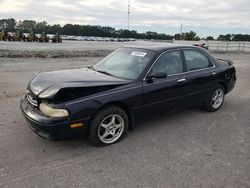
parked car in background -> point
(128, 84)
(203, 45)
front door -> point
(165, 94)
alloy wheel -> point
(217, 98)
(111, 128)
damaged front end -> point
(44, 104)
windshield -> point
(127, 63)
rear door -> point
(201, 74)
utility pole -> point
(128, 12)
(181, 32)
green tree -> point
(8, 24)
(210, 38)
(54, 29)
(27, 25)
(89, 30)
(225, 37)
(190, 36)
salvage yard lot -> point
(188, 148)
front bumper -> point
(46, 127)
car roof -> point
(158, 47)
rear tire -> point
(215, 99)
(108, 126)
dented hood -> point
(47, 84)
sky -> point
(205, 17)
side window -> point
(196, 60)
(169, 63)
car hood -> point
(47, 84)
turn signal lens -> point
(52, 112)
(76, 125)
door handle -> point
(214, 73)
(181, 80)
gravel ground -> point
(189, 148)
(55, 50)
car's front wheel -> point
(108, 126)
(215, 99)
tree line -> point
(27, 26)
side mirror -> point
(157, 75)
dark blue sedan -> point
(128, 84)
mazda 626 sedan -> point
(130, 83)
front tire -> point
(215, 99)
(109, 126)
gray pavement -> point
(189, 148)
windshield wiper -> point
(104, 72)
(91, 67)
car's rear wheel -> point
(215, 99)
(109, 126)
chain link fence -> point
(221, 46)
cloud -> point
(6, 6)
(144, 13)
